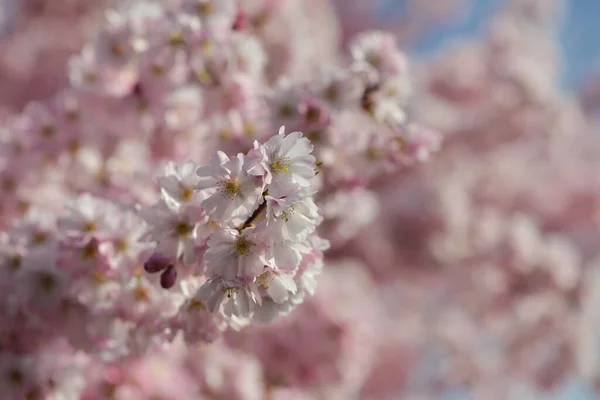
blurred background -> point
(577, 33)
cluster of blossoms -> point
(246, 223)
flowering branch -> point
(255, 214)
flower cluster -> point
(246, 223)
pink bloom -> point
(233, 192)
(233, 255)
(285, 161)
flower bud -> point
(156, 263)
(168, 277)
(241, 21)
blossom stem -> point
(255, 214)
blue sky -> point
(579, 36)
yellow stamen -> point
(187, 194)
(230, 187)
(118, 49)
(250, 129)
(332, 93)
(141, 293)
(158, 70)
(90, 251)
(176, 39)
(196, 305)
(374, 153)
(40, 237)
(287, 111)
(47, 282)
(265, 279)
(183, 228)
(90, 226)
(204, 76)
(205, 9)
(98, 278)
(121, 245)
(242, 246)
(280, 166)
(90, 77)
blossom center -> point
(187, 194)
(374, 60)
(9, 184)
(230, 187)
(90, 251)
(121, 245)
(183, 228)
(47, 282)
(16, 377)
(176, 39)
(231, 291)
(287, 111)
(196, 305)
(280, 166)
(242, 246)
(141, 293)
(287, 214)
(374, 153)
(265, 279)
(40, 237)
(89, 226)
(118, 49)
(205, 9)
(158, 70)
(14, 262)
(332, 93)
(313, 113)
(90, 77)
(48, 131)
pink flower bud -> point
(168, 277)
(156, 263)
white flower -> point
(37, 230)
(115, 44)
(176, 229)
(87, 216)
(41, 282)
(183, 107)
(233, 255)
(377, 51)
(237, 301)
(340, 89)
(179, 182)
(287, 255)
(235, 193)
(269, 311)
(126, 247)
(291, 218)
(248, 55)
(278, 286)
(285, 162)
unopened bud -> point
(168, 278)
(156, 263)
(241, 21)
